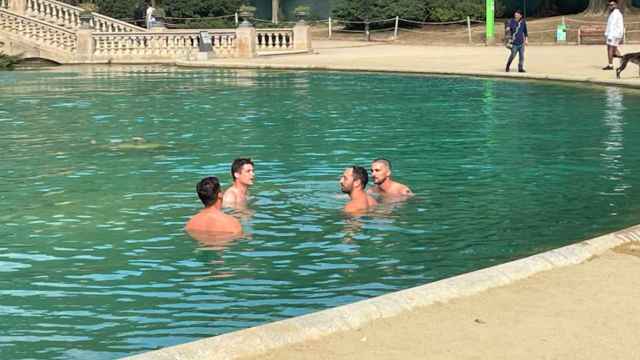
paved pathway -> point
(576, 63)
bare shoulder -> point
(232, 224)
(371, 201)
(403, 190)
(229, 197)
(373, 190)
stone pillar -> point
(246, 42)
(302, 37)
(84, 52)
(18, 6)
(275, 11)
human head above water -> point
(208, 190)
(380, 170)
(242, 168)
(353, 177)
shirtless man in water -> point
(384, 186)
(211, 219)
(353, 182)
(243, 176)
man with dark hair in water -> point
(384, 186)
(211, 219)
(243, 176)
(353, 182)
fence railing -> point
(40, 32)
(274, 39)
(68, 16)
(171, 45)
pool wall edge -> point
(261, 339)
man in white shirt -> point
(614, 33)
(150, 19)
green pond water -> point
(94, 263)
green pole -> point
(490, 28)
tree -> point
(599, 7)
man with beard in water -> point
(353, 182)
(384, 186)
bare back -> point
(214, 221)
(360, 205)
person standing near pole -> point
(614, 33)
(519, 38)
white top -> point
(615, 25)
(150, 10)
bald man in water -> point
(211, 219)
(353, 182)
(384, 186)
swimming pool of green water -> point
(94, 263)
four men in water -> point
(353, 182)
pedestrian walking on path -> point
(519, 38)
(614, 33)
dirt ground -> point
(587, 311)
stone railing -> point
(274, 39)
(39, 32)
(68, 16)
(169, 45)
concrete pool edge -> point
(483, 74)
(261, 339)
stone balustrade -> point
(274, 39)
(169, 45)
(68, 16)
(39, 32)
(52, 30)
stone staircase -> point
(52, 30)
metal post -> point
(490, 22)
(366, 31)
(330, 27)
(395, 30)
(236, 17)
(469, 28)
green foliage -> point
(445, 10)
(359, 10)
(429, 10)
(8, 62)
(302, 9)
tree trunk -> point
(599, 7)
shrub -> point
(8, 62)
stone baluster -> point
(17, 6)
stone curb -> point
(484, 74)
(260, 339)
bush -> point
(8, 62)
(359, 10)
(429, 10)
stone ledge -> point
(257, 340)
